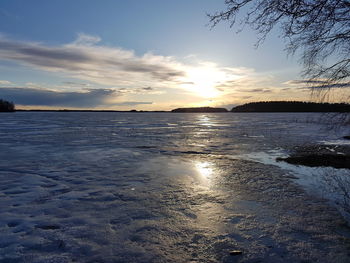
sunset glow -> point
(204, 81)
(125, 59)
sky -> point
(136, 54)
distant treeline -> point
(6, 106)
(200, 109)
(291, 106)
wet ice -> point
(120, 187)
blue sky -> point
(135, 54)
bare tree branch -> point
(318, 29)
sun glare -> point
(204, 81)
(204, 169)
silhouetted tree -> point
(6, 106)
(292, 106)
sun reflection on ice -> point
(204, 120)
(205, 171)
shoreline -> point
(337, 156)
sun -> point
(203, 81)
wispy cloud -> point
(75, 84)
(5, 82)
(83, 59)
(317, 84)
(261, 90)
(133, 103)
(86, 40)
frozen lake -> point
(165, 187)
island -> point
(199, 109)
(6, 106)
(291, 106)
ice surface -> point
(326, 182)
(148, 187)
(336, 142)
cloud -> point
(75, 84)
(318, 84)
(89, 98)
(5, 82)
(249, 82)
(148, 88)
(126, 76)
(86, 40)
(261, 90)
(145, 90)
(85, 60)
(132, 103)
